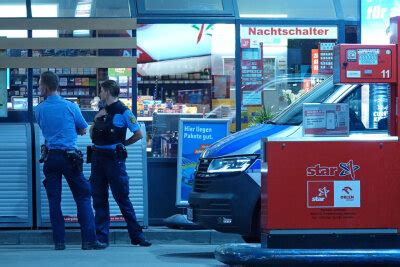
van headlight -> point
(231, 164)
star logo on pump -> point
(320, 194)
(349, 168)
(323, 193)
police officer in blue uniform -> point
(61, 121)
(108, 134)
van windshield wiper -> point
(269, 122)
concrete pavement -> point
(157, 235)
(115, 256)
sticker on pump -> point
(320, 194)
(347, 194)
(353, 74)
(351, 55)
(333, 194)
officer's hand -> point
(100, 113)
(81, 131)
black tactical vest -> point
(104, 130)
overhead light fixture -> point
(83, 10)
(270, 16)
(45, 11)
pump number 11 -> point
(385, 73)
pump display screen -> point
(368, 56)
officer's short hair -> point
(50, 79)
(111, 86)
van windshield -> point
(293, 114)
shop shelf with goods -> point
(167, 98)
(80, 85)
(123, 76)
(183, 93)
(17, 89)
(76, 84)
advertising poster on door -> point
(252, 80)
(252, 65)
(325, 58)
(195, 135)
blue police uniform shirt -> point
(59, 120)
(128, 120)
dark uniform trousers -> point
(54, 168)
(107, 170)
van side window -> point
(368, 107)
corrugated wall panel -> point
(136, 167)
(15, 175)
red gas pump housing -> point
(357, 63)
(338, 184)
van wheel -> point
(254, 236)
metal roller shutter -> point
(15, 175)
(136, 167)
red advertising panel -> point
(252, 72)
(334, 185)
(252, 68)
(314, 61)
(252, 65)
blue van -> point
(226, 189)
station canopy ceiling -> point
(270, 9)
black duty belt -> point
(119, 152)
(104, 151)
